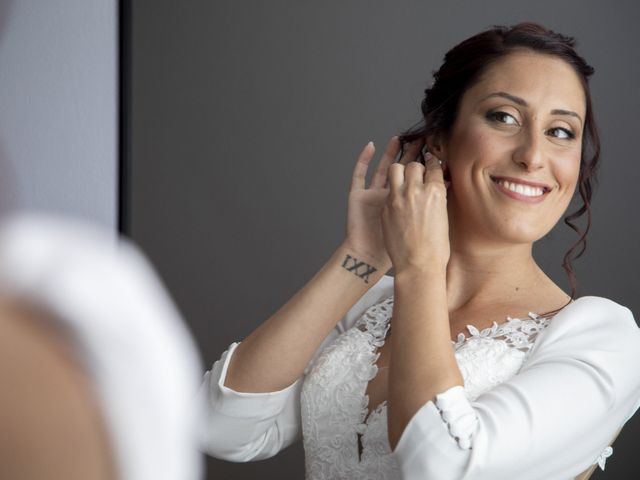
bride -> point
(492, 370)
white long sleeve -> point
(551, 420)
(242, 426)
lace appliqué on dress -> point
(334, 406)
(336, 417)
(516, 332)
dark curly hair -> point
(462, 67)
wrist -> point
(366, 268)
(417, 272)
(378, 259)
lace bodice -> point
(334, 406)
(516, 410)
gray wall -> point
(247, 119)
(58, 107)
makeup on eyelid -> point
(494, 115)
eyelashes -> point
(569, 134)
(498, 116)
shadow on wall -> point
(5, 8)
(9, 194)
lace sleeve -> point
(551, 420)
(245, 426)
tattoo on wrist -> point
(361, 269)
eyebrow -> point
(522, 101)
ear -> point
(436, 146)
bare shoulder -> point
(52, 427)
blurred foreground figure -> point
(97, 370)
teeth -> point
(525, 190)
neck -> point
(481, 273)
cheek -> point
(465, 146)
(567, 171)
(474, 150)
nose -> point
(529, 154)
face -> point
(514, 150)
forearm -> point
(274, 355)
(423, 361)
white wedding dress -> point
(542, 399)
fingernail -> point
(427, 155)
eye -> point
(562, 133)
(502, 117)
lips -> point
(523, 190)
(521, 181)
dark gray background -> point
(247, 117)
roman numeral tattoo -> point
(355, 267)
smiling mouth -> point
(520, 191)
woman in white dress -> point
(492, 371)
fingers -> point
(412, 169)
(360, 170)
(433, 169)
(379, 178)
(411, 151)
(410, 154)
(415, 172)
(396, 176)
(400, 175)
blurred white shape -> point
(126, 329)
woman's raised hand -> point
(364, 234)
(414, 218)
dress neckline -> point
(375, 323)
(495, 328)
(381, 335)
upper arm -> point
(50, 421)
(552, 418)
